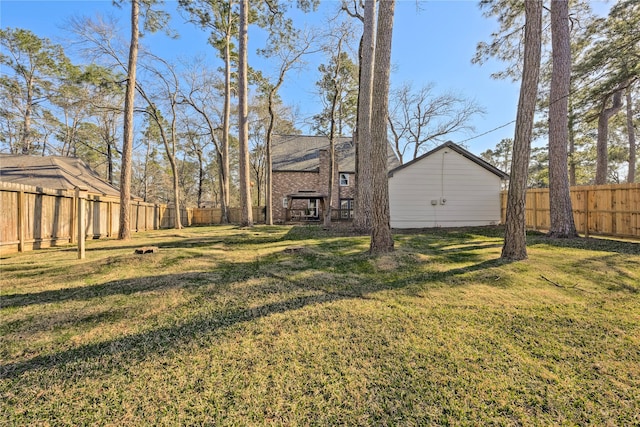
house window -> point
(346, 208)
(313, 208)
(344, 179)
(285, 202)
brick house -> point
(300, 176)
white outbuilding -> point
(446, 187)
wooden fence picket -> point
(604, 210)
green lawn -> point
(225, 327)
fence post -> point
(586, 213)
(535, 209)
(613, 203)
(81, 196)
(73, 218)
(21, 220)
(109, 219)
(137, 216)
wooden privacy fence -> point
(36, 217)
(211, 216)
(606, 210)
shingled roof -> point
(53, 172)
(458, 149)
(301, 153)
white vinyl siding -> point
(471, 193)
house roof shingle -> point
(301, 153)
(54, 172)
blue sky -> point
(433, 44)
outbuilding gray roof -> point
(53, 172)
(458, 149)
(301, 153)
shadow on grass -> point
(447, 237)
(138, 346)
(259, 235)
(620, 275)
(226, 272)
(458, 250)
(586, 243)
(441, 276)
(85, 293)
(461, 233)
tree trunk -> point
(602, 149)
(25, 139)
(572, 146)
(362, 214)
(631, 174)
(200, 176)
(381, 237)
(396, 140)
(221, 186)
(269, 162)
(243, 125)
(174, 168)
(170, 150)
(332, 148)
(145, 195)
(177, 224)
(562, 224)
(333, 123)
(124, 232)
(109, 162)
(515, 241)
(223, 158)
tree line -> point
(603, 107)
(192, 133)
(185, 145)
(591, 63)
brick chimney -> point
(323, 176)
